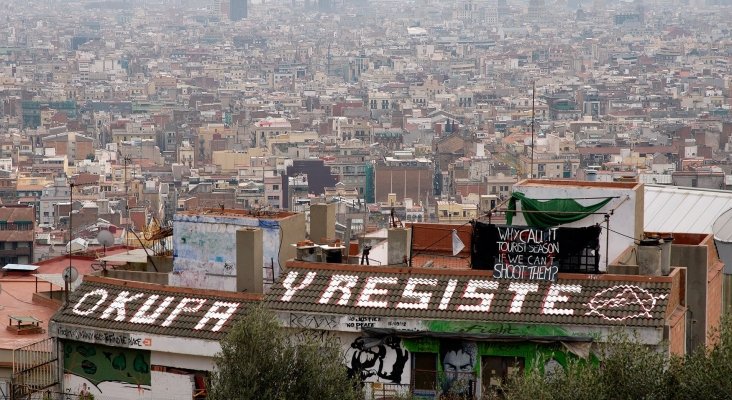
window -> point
(425, 371)
(275, 187)
(497, 370)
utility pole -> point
(533, 98)
(71, 236)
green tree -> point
(260, 360)
(706, 372)
(628, 370)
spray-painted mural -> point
(458, 361)
(205, 250)
(377, 359)
(463, 368)
(98, 364)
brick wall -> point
(714, 286)
(677, 332)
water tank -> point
(722, 230)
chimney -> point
(391, 199)
(322, 222)
(666, 255)
(649, 257)
(398, 245)
(249, 260)
(103, 206)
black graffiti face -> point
(370, 357)
(458, 363)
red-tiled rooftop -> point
(577, 184)
(239, 213)
(627, 300)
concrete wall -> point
(715, 284)
(627, 217)
(138, 276)
(205, 249)
(677, 333)
(164, 386)
(322, 222)
(293, 231)
(694, 259)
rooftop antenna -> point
(106, 239)
(533, 98)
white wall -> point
(205, 250)
(165, 386)
(623, 220)
(184, 361)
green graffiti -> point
(529, 354)
(422, 345)
(89, 367)
(141, 365)
(99, 363)
(119, 362)
(86, 350)
(490, 328)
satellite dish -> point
(105, 238)
(70, 275)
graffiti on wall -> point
(98, 363)
(205, 251)
(380, 359)
(622, 296)
(458, 360)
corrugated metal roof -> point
(683, 209)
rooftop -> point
(218, 212)
(194, 321)
(471, 295)
(577, 184)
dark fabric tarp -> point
(548, 213)
(576, 246)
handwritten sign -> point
(116, 339)
(527, 253)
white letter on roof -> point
(369, 289)
(423, 297)
(553, 296)
(486, 298)
(521, 289)
(222, 317)
(119, 305)
(99, 292)
(181, 307)
(342, 283)
(141, 318)
(290, 280)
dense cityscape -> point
(451, 190)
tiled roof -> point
(421, 293)
(181, 312)
(16, 236)
(17, 214)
